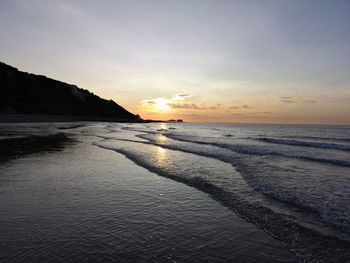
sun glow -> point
(161, 104)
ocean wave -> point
(252, 166)
(251, 176)
(259, 151)
(321, 145)
(227, 186)
(318, 138)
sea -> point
(293, 181)
(306, 168)
(290, 181)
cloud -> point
(291, 99)
(261, 112)
(194, 116)
(181, 96)
(240, 107)
(309, 101)
(252, 113)
(287, 99)
(149, 101)
(179, 101)
(191, 106)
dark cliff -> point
(25, 93)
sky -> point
(271, 61)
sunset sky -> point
(218, 61)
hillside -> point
(23, 93)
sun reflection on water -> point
(163, 126)
(161, 139)
(161, 156)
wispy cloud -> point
(291, 99)
(191, 106)
(181, 96)
(240, 107)
(181, 101)
(252, 113)
(309, 101)
(287, 99)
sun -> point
(161, 104)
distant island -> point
(29, 97)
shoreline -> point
(85, 204)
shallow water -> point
(290, 181)
(89, 204)
(308, 166)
